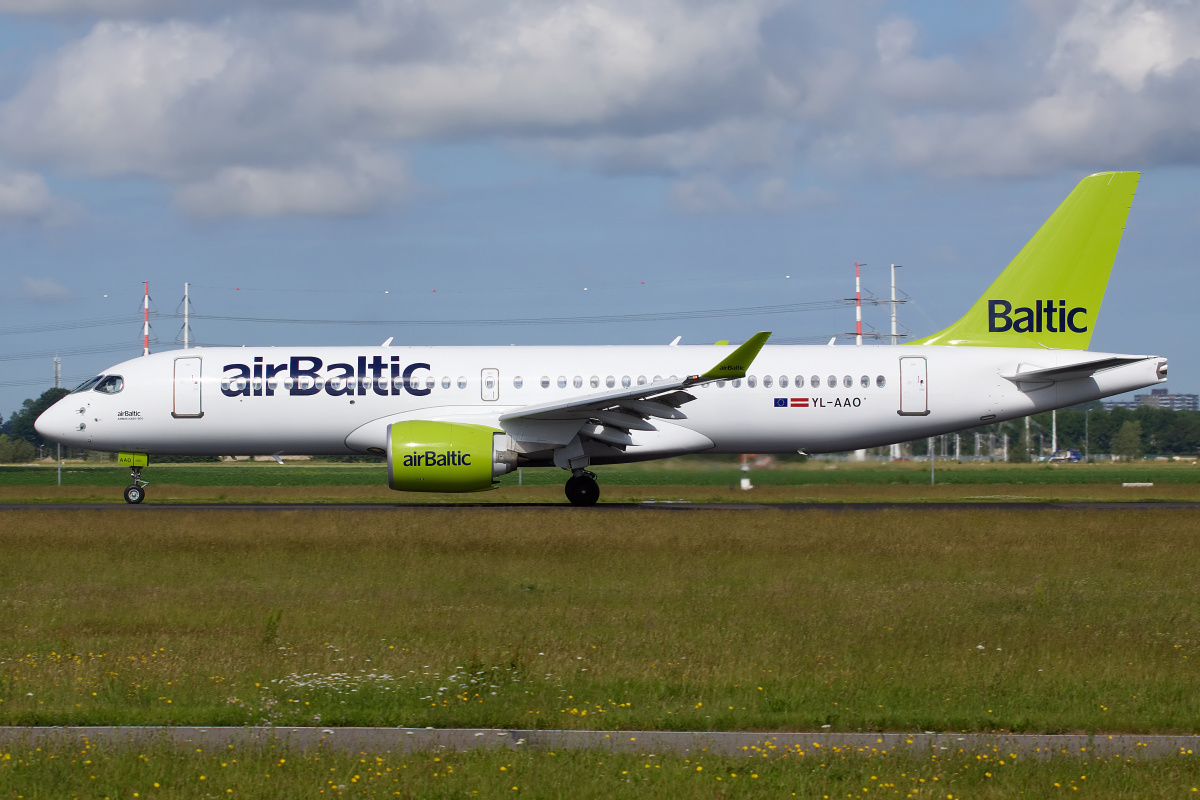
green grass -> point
(161, 772)
(1043, 622)
(686, 478)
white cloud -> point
(704, 195)
(42, 290)
(254, 112)
(355, 186)
(25, 198)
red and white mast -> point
(857, 305)
(146, 321)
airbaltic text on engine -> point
(340, 378)
(1002, 317)
(429, 458)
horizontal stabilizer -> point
(1071, 372)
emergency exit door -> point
(489, 384)
(914, 388)
(187, 388)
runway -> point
(726, 743)
(679, 506)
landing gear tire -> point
(582, 490)
(134, 494)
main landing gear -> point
(136, 491)
(582, 489)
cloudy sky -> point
(554, 163)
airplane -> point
(454, 419)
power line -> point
(70, 351)
(662, 316)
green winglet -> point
(736, 363)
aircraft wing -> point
(610, 416)
(1069, 372)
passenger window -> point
(847, 381)
(562, 381)
(626, 382)
(462, 382)
(783, 381)
(831, 381)
(545, 381)
(641, 380)
(446, 382)
(865, 381)
(720, 384)
(880, 381)
(518, 382)
(815, 381)
(657, 378)
(578, 382)
(752, 381)
(429, 383)
(767, 381)
(111, 384)
(595, 381)
(610, 381)
(674, 378)
(736, 382)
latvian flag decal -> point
(795, 402)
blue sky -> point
(473, 160)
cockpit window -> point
(110, 384)
(88, 384)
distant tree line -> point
(1088, 428)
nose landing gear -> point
(136, 491)
(582, 489)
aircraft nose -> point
(51, 423)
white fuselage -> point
(225, 403)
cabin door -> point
(187, 388)
(914, 387)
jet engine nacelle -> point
(446, 456)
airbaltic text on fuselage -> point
(1048, 316)
(308, 375)
(429, 458)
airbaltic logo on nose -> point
(1048, 316)
(451, 458)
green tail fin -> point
(1050, 294)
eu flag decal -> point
(781, 402)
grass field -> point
(162, 772)
(690, 479)
(1043, 622)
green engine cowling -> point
(446, 456)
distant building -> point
(1158, 398)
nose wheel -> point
(136, 492)
(582, 489)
